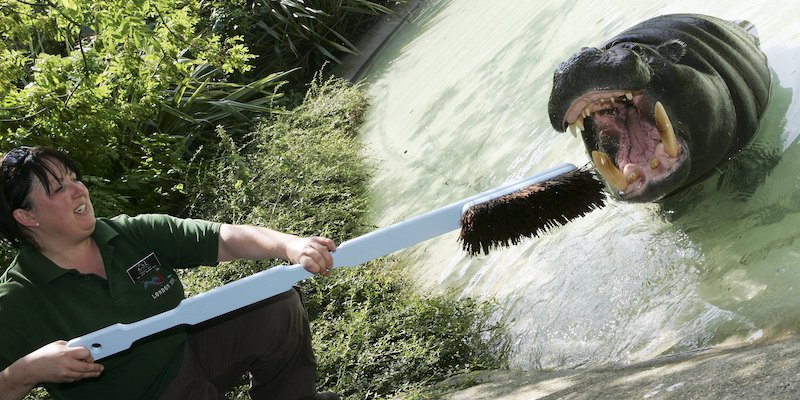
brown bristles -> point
(531, 211)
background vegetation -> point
(134, 88)
(209, 109)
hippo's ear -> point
(673, 50)
(750, 28)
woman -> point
(76, 273)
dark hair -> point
(18, 168)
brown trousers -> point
(270, 340)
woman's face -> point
(65, 213)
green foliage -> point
(300, 171)
(374, 337)
(308, 154)
(132, 88)
(292, 33)
(99, 79)
(38, 393)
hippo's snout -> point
(595, 70)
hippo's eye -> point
(635, 48)
(640, 51)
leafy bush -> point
(375, 337)
(300, 171)
(132, 88)
(94, 77)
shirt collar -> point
(103, 233)
(33, 263)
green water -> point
(460, 106)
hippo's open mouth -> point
(664, 103)
(631, 139)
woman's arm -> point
(54, 362)
(237, 242)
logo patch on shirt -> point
(143, 267)
(161, 283)
(156, 281)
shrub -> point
(375, 337)
(92, 78)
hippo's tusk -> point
(664, 126)
(577, 126)
(609, 171)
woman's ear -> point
(25, 218)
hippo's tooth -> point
(573, 130)
(579, 124)
(629, 95)
(609, 171)
(586, 112)
(654, 163)
(664, 126)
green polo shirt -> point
(41, 303)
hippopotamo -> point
(664, 103)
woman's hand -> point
(55, 362)
(313, 252)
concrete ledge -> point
(768, 371)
